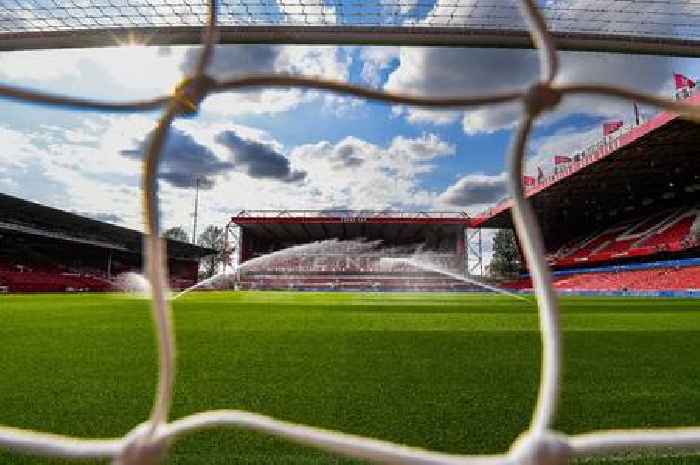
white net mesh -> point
(148, 442)
(644, 26)
(659, 18)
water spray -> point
(321, 251)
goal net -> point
(668, 27)
(149, 442)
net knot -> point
(547, 448)
(142, 447)
(190, 93)
(541, 97)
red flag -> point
(529, 181)
(683, 81)
(561, 159)
(609, 128)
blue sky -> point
(294, 149)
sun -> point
(132, 40)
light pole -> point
(196, 208)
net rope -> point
(149, 441)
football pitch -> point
(449, 372)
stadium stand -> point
(629, 199)
(674, 234)
(43, 249)
(673, 275)
(343, 250)
(668, 231)
(46, 281)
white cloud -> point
(475, 191)
(450, 72)
(119, 73)
(84, 169)
(446, 72)
(357, 174)
(8, 183)
(422, 115)
(112, 72)
(491, 119)
(375, 60)
(328, 62)
(18, 148)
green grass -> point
(449, 372)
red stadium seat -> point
(672, 235)
(668, 231)
(655, 279)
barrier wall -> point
(692, 294)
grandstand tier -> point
(669, 232)
(671, 275)
(633, 196)
(43, 249)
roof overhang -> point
(250, 217)
(652, 165)
(390, 227)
